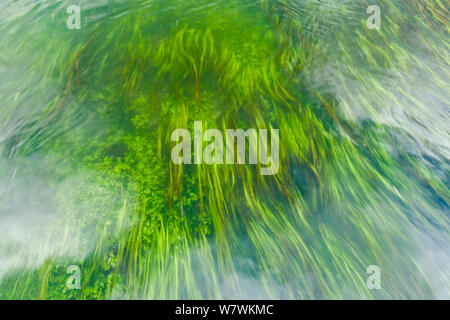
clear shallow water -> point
(86, 177)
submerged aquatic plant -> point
(85, 139)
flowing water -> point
(86, 177)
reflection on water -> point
(86, 177)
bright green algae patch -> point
(102, 103)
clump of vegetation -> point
(341, 201)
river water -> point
(91, 91)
